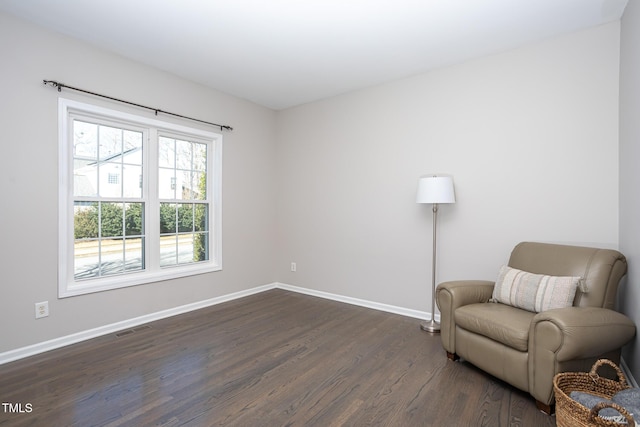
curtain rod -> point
(53, 83)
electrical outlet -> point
(42, 309)
(293, 266)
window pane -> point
(166, 183)
(199, 157)
(201, 247)
(166, 152)
(167, 218)
(183, 154)
(187, 181)
(168, 250)
(132, 181)
(185, 248)
(85, 150)
(86, 259)
(132, 147)
(134, 219)
(110, 142)
(85, 220)
(201, 217)
(110, 180)
(111, 223)
(134, 249)
(183, 185)
(85, 140)
(200, 183)
(185, 217)
(112, 256)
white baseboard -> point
(20, 353)
(423, 315)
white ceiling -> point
(282, 53)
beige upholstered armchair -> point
(527, 346)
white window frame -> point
(67, 285)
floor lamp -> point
(435, 190)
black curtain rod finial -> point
(53, 84)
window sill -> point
(133, 279)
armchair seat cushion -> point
(502, 323)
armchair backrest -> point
(600, 269)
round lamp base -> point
(430, 326)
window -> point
(139, 199)
(114, 178)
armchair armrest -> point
(450, 296)
(569, 334)
(580, 332)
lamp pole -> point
(432, 325)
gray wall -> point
(29, 147)
(530, 137)
(630, 172)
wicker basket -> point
(570, 413)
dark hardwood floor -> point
(273, 359)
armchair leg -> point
(452, 356)
(547, 409)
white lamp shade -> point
(435, 189)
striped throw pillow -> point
(534, 292)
